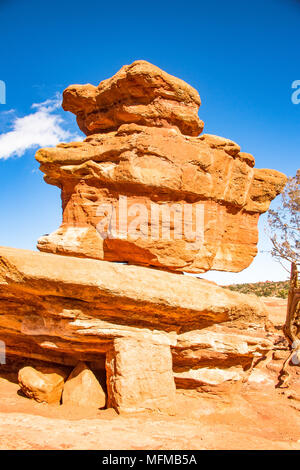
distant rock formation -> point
(144, 148)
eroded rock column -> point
(139, 376)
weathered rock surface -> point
(44, 384)
(138, 385)
(140, 93)
(143, 188)
(218, 354)
(232, 418)
(83, 389)
(65, 309)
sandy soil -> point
(251, 420)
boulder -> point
(44, 384)
(139, 93)
(145, 189)
(140, 385)
(83, 389)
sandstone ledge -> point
(63, 310)
(138, 295)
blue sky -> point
(241, 56)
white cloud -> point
(41, 128)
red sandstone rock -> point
(140, 376)
(148, 328)
(228, 191)
(64, 310)
(197, 199)
(44, 384)
(139, 93)
(82, 389)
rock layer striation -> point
(144, 326)
(145, 188)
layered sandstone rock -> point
(140, 93)
(219, 354)
(63, 310)
(144, 188)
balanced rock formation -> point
(44, 384)
(82, 389)
(129, 320)
(145, 188)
